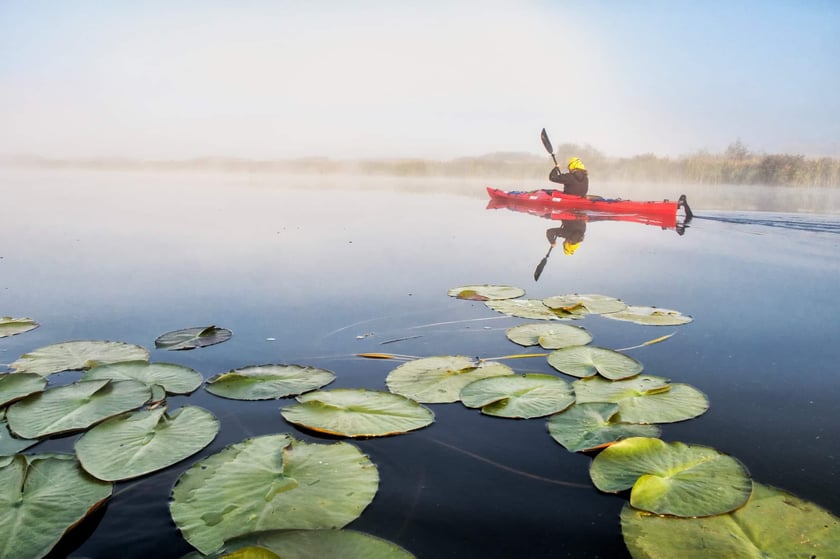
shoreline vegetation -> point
(737, 165)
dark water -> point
(313, 276)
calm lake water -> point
(313, 271)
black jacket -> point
(576, 182)
(571, 230)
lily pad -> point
(137, 443)
(41, 497)
(266, 382)
(548, 336)
(586, 361)
(773, 523)
(252, 552)
(652, 316)
(11, 326)
(486, 292)
(271, 482)
(533, 309)
(191, 338)
(77, 355)
(14, 386)
(9, 444)
(358, 413)
(438, 380)
(645, 399)
(314, 544)
(595, 304)
(590, 426)
(175, 379)
(672, 478)
(74, 407)
(519, 396)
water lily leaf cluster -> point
(437, 380)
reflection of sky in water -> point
(329, 273)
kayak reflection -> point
(572, 228)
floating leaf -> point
(314, 544)
(191, 338)
(773, 523)
(645, 399)
(519, 396)
(590, 426)
(137, 443)
(595, 304)
(41, 497)
(10, 326)
(437, 380)
(74, 407)
(269, 483)
(252, 552)
(175, 379)
(9, 444)
(549, 336)
(71, 356)
(533, 309)
(358, 413)
(672, 478)
(265, 382)
(486, 292)
(14, 386)
(651, 316)
(586, 361)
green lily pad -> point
(590, 426)
(137, 443)
(9, 444)
(191, 338)
(41, 497)
(271, 482)
(672, 478)
(438, 380)
(74, 407)
(11, 326)
(595, 304)
(266, 382)
(519, 396)
(175, 379)
(533, 309)
(314, 544)
(773, 523)
(252, 552)
(651, 316)
(71, 356)
(645, 399)
(486, 292)
(14, 386)
(586, 361)
(358, 413)
(548, 336)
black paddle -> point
(547, 143)
(541, 265)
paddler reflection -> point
(571, 231)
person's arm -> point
(552, 234)
(557, 175)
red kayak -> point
(665, 221)
(555, 199)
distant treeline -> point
(736, 165)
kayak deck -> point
(557, 199)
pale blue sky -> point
(372, 78)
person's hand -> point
(554, 244)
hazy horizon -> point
(441, 80)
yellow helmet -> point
(576, 163)
(570, 248)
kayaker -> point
(575, 182)
(571, 231)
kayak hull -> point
(542, 198)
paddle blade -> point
(546, 142)
(541, 265)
